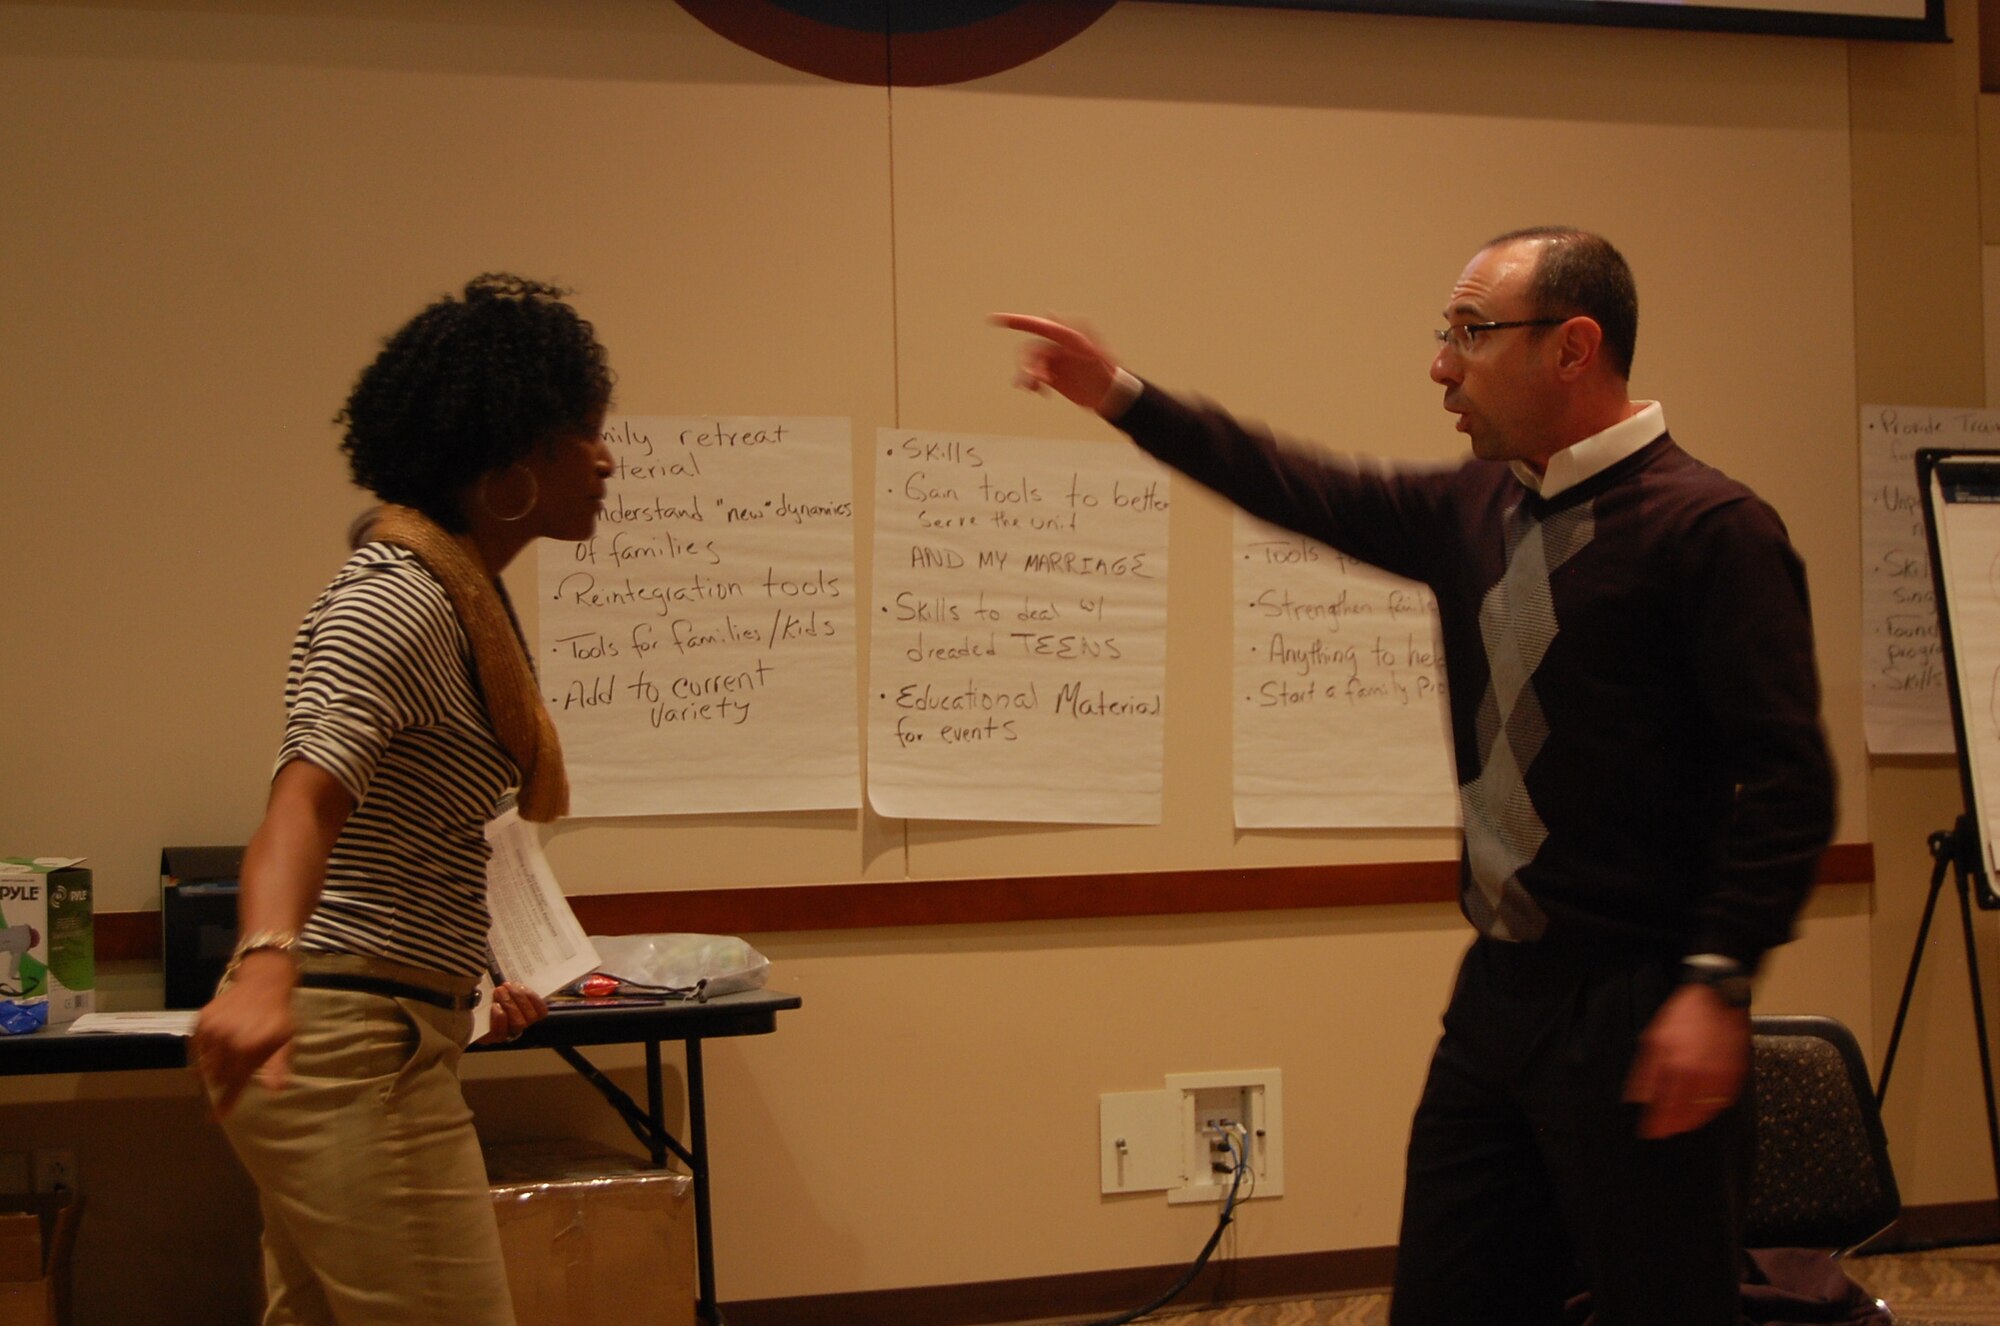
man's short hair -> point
(1580, 272)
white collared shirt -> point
(1596, 453)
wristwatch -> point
(1724, 975)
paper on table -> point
(1340, 706)
(1018, 666)
(146, 1022)
(535, 937)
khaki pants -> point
(375, 1200)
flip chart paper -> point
(1018, 664)
(698, 652)
(1906, 708)
(1340, 709)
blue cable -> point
(1241, 1157)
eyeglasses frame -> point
(1464, 336)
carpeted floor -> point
(1945, 1287)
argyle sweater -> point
(1634, 699)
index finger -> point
(1047, 328)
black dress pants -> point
(1527, 1182)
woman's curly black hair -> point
(471, 385)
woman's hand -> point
(247, 1029)
(515, 1009)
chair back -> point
(1821, 1177)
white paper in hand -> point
(535, 937)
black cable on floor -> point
(1242, 1157)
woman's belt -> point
(382, 985)
(395, 980)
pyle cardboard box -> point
(48, 969)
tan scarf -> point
(513, 699)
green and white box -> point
(47, 942)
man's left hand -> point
(1692, 1061)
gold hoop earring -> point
(534, 495)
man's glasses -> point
(1466, 335)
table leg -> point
(650, 1127)
(704, 1243)
(655, 1107)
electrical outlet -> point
(1221, 1130)
(55, 1170)
(1175, 1139)
(1211, 1104)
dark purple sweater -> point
(1635, 705)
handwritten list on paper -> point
(698, 652)
(1340, 706)
(1018, 657)
(1906, 703)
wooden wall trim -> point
(135, 936)
(1941, 1225)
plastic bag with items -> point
(686, 966)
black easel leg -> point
(1942, 852)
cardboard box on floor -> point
(592, 1235)
(35, 1263)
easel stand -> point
(1954, 851)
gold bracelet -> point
(284, 941)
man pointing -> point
(1643, 781)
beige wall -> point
(214, 209)
(224, 206)
(1919, 338)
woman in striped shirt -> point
(331, 1048)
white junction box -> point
(1187, 1137)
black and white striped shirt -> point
(381, 694)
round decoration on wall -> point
(902, 43)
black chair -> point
(1821, 1178)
